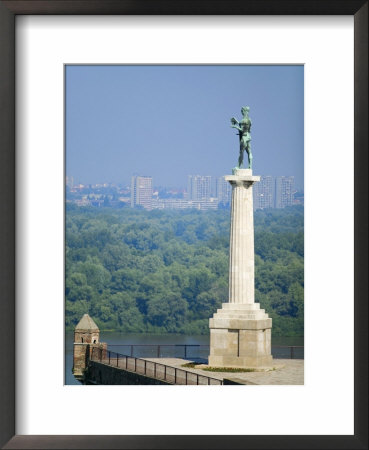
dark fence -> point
(288, 351)
(196, 352)
(193, 352)
(151, 369)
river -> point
(119, 342)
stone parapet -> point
(99, 373)
(82, 354)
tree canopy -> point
(167, 271)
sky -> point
(171, 121)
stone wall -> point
(98, 373)
(86, 336)
(82, 353)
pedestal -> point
(240, 336)
(240, 332)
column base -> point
(240, 336)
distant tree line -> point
(167, 271)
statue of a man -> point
(244, 128)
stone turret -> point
(86, 331)
(86, 337)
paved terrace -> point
(286, 372)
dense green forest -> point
(167, 271)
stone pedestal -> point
(240, 332)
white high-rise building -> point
(284, 191)
(274, 192)
(199, 187)
(223, 190)
(264, 193)
(141, 192)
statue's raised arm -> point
(244, 127)
(235, 124)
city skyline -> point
(171, 121)
(71, 180)
(203, 192)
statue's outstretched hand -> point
(234, 121)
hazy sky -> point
(171, 121)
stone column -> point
(240, 332)
(241, 257)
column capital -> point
(239, 176)
(240, 180)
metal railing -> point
(197, 352)
(185, 351)
(152, 369)
(288, 351)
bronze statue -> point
(244, 128)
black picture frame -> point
(8, 11)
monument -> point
(240, 332)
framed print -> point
(328, 38)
